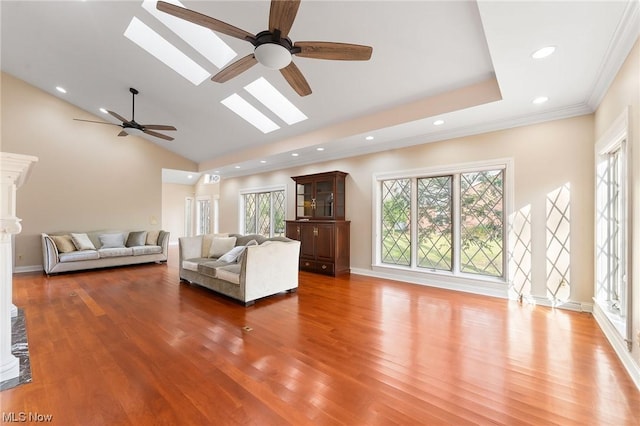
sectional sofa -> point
(68, 251)
(243, 267)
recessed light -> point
(104, 111)
(319, 149)
(294, 154)
(263, 161)
(250, 113)
(438, 122)
(190, 177)
(540, 100)
(369, 138)
(543, 53)
(236, 167)
(61, 89)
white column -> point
(14, 170)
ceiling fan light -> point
(133, 131)
(273, 56)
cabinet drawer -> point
(319, 267)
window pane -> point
(434, 222)
(396, 221)
(264, 214)
(250, 213)
(481, 222)
(278, 213)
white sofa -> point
(264, 269)
(98, 255)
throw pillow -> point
(207, 239)
(82, 242)
(152, 238)
(63, 243)
(137, 238)
(221, 245)
(111, 240)
(232, 255)
(244, 252)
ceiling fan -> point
(131, 126)
(273, 48)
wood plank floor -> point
(132, 346)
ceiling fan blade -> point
(157, 135)
(295, 78)
(123, 133)
(204, 20)
(158, 127)
(118, 116)
(235, 69)
(99, 122)
(282, 14)
(334, 51)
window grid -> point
(264, 213)
(458, 227)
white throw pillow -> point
(221, 245)
(207, 239)
(232, 255)
(111, 240)
(82, 242)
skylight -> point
(270, 97)
(200, 38)
(153, 43)
(247, 111)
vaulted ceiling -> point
(467, 63)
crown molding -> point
(623, 40)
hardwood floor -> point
(132, 346)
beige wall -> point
(625, 92)
(87, 178)
(173, 208)
(545, 157)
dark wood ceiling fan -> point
(273, 48)
(131, 126)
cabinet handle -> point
(324, 266)
(313, 203)
(306, 263)
(315, 231)
(298, 230)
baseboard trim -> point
(480, 288)
(570, 305)
(25, 269)
(618, 344)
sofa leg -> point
(250, 303)
(292, 290)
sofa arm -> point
(190, 247)
(270, 268)
(163, 241)
(49, 254)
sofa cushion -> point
(221, 245)
(79, 255)
(111, 240)
(115, 252)
(136, 238)
(244, 240)
(190, 265)
(232, 255)
(152, 238)
(229, 273)
(210, 268)
(82, 242)
(141, 250)
(63, 243)
(207, 239)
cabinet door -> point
(293, 231)
(305, 199)
(324, 199)
(307, 240)
(325, 241)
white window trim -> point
(254, 190)
(460, 281)
(617, 134)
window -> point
(188, 217)
(203, 222)
(264, 212)
(449, 222)
(612, 229)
